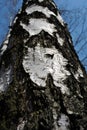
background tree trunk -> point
(42, 82)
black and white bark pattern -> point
(42, 82)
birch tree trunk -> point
(42, 82)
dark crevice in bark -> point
(72, 117)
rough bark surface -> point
(42, 82)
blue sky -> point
(75, 5)
(8, 9)
(72, 4)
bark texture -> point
(42, 82)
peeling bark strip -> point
(43, 85)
